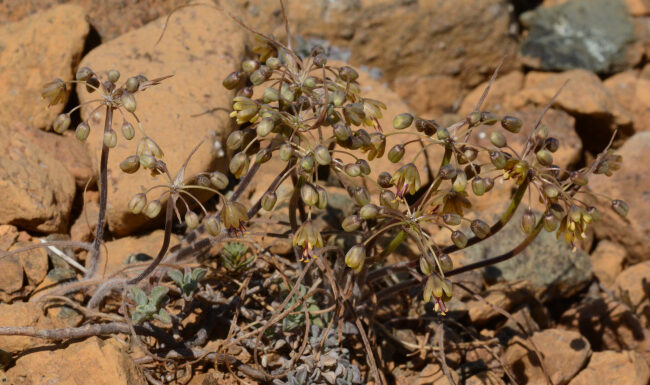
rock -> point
(70, 152)
(500, 296)
(484, 378)
(101, 15)
(34, 262)
(102, 362)
(609, 367)
(395, 36)
(585, 97)
(590, 34)
(135, 249)
(633, 284)
(430, 95)
(8, 235)
(35, 51)
(608, 325)
(607, 260)
(633, 92)
(83, 228)
(638, 7)
(563, 352)
(549, 264)
(37, 190)
(432, 374)
(11, 274)
(628, 183)
(179, 113)
(22, 314)
(498, 98)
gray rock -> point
(590, 34)
(547, 263)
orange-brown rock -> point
(563, 353)
(37, 189)
(632, 92)
(92, 361)
(35, 51)
(608, 325)
(624, 368)
(499, 97)
(607, 260)
(431, 95)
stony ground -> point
(585, 312)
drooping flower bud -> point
(132, 84)
(130, 165)
(426, 267)
(383, 179)
(239, 165)
(83, 73)
(511, 124)
(528, 221)
(286, 151)
(445, 262)
(459, 238)
(460, 183)
(402, 121)
(309, 194)
(498, 139)
(352, 169)
(268, 200)
(128, 132)
(551, 222)
(478, 186)
(351, 223)
(264, 127)
(480, 228)
(137, 203)
(369, 211)
(348, 74)
(451, 219)
(152, 209)
(61, 123)
(362, 196)
(113, 76)
(128, 101)
(396, 153)
(544, 157)
(191, 220)
(355, 257)
(219, 180)
(82, 131)
(110, 138)
(322, 155)
(213, 226)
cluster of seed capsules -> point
(307, 112)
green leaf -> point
(198, 274)
(176, 276)
(139, 296)
(158, 295)
(163, 316)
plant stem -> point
(103, 198)
(163, 249)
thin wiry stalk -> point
(103, 199)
